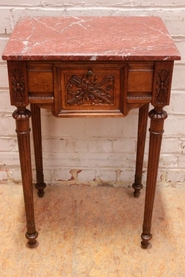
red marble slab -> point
(90, 38)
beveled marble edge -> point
(72, 57)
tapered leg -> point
(22, 116)
(141, 137)
(37, 139)
(156, 130)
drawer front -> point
(90, 88)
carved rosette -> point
(90, 89)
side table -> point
(90, 66)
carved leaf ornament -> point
(90, 90)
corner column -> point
(160, 98)
(19, 98)
(156, 131)
(22, 116)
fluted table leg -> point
(37, 139)
(157, 115)
(141, 137)
(22, 115)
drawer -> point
(90, 88)
(93, 88)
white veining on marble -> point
(93, 58)
(79, 23)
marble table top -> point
(90, 38)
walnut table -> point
(90, 66)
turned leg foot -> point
(137, 192)
(32, 242)
(40, 188)
(145, 240)
(137, 186)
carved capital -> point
(157, 117)
(158, 114)
(21, 114)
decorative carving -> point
(90, 90)
(18, 87)
(162, 87)
(132, 97)
(155, 114)
(20, 115)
